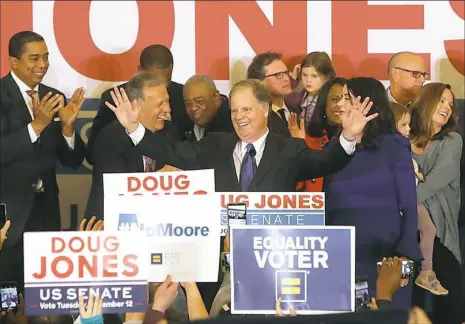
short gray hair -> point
(201, 78)
(259, 91)
(135, 87)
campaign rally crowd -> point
(389, 161)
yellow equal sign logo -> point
(290, 286)
(156, 258)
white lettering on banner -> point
(276, 219)
(291, 252)
(73, 293)
(51, 298)
(434, 28)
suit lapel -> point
(20, 111)
(133, 156)
(228, 160)
(271, 151)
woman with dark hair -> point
(376, 191)
(437, 148)
(323, 125)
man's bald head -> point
(407, 73)
(403, 59)
(202, 99)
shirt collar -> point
(392, 99)
(276, 108)
(23, 87)
(259, 144)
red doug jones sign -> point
(61, 266)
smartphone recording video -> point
(3, 215)
(225, 262)
(408, 268)
(237, 214)
(9, 298)
(362, 298)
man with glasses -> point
(407, 74)
(273, 73)
(208, 109)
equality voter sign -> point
(310, 267)
(61, 266)
(276, 208)
(159, 183)
(181, 231)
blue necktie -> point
(248, 167)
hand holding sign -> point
(165, 295)
(94, 306)
(279, 311)
(4, 232)
(168, 168)
(90, 225)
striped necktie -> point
(30, 93)
(149, 164)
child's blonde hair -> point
(399, 111)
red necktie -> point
(30, 92)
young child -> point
(427, 277)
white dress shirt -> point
(240, 149)
(198, 132)
(23, 88)
(287, 113)
(392, 99)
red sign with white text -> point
(361, 36)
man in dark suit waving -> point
(36, 127)
(114, 150)
(158, 60)
(252, 159)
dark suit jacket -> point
(277, 125)
(285, 160)
(23, 163)
(220, 123)
(115, 153)
(105, 116)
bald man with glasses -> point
(407, 74)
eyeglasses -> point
(278, 75)
(415, 74)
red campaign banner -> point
(350, 24)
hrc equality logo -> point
(130, 222)
(156, 258)
(292, 285)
